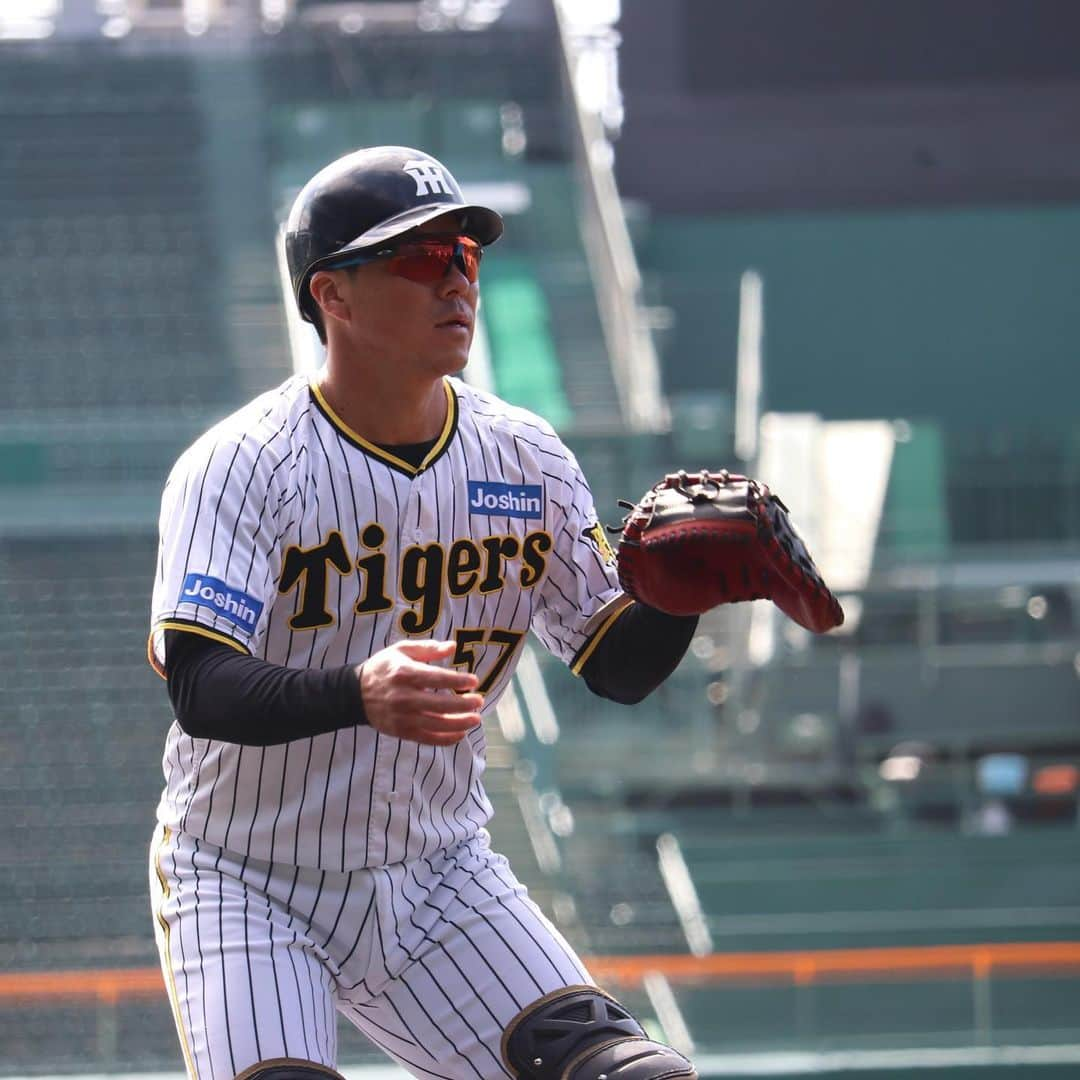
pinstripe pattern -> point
(284, 476)
(429, 958)
(351, 871)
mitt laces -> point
(696, 488)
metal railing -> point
(807, 971)
(613, 265)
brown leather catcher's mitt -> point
(697, 540)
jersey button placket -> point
(415, 517)
(408, 536)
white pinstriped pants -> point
(430, 959)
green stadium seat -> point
(524, 360)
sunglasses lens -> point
(470, 258)
(427, 261)
(424, 263)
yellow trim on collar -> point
(378, 451)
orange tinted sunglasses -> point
(424, 259)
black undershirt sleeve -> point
(220, 693)
(639, 651)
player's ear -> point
(326, 289)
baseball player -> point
(347, 569)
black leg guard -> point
(288, 1069)
(581, 1033)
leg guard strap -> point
(581, 1033)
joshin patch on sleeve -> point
(223, 600)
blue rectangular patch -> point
(224, 601)
(506, 500)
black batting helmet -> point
(366, 198)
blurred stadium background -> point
(835, 242)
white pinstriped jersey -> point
(290, 537)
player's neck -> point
(388, 411)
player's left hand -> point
(696, 540)
(408, 695)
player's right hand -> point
(407, 694)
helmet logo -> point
(429, 178)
